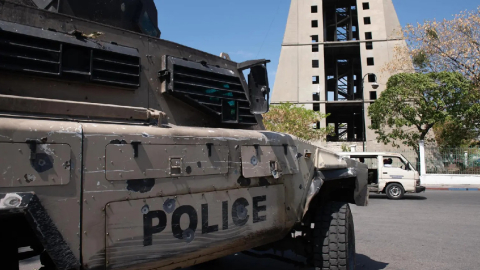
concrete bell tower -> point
(332, 60)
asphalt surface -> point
(434, 230)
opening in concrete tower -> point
(341, 20)
(348, 121)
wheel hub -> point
(395, 191)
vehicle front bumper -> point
(419, 189)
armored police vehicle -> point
(120, 150)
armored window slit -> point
(216, 90)
(41, 53)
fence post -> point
(466, 159)
(423, 169)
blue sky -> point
(251, 29)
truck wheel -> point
(395, 191)
(334, 238)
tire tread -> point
(330, 236)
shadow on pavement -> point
(241, 261)
(365, 262)
(407, 197)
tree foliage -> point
(295, 120)
(454, 134)
(448, 45)
(414, 103)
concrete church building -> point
(332, 58)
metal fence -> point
(444, 160)
(452, 160)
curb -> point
(455, 189)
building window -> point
(369, 45)
(316, 125)
(314, 38)
(316, 97)
(315, 48)
(372, 77)
(366, 5)
(370, 61)
(366, 20)
(373, 95)
(368, 35)
(314, 9)
(314, 23)
(315, 79)
(315, 64)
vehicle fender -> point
(313, 190)
(355, 170)
(392, 182)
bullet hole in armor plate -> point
(29, 178)
(142, 185)
(240, 212)
(199, 164)
(145, 209)
(244, 182)
(42, 162)
(188, 235)
(66, 165)
(254, 161)
(188, 170)
(169, 206)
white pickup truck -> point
(389, 173)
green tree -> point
(454, 134)
(414, 103)
(345, 148)
(295, 120)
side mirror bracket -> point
(259, 90)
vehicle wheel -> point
(394, 191)
(334, 238)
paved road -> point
(435, 230)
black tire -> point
(394, 191)
(334, 237)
